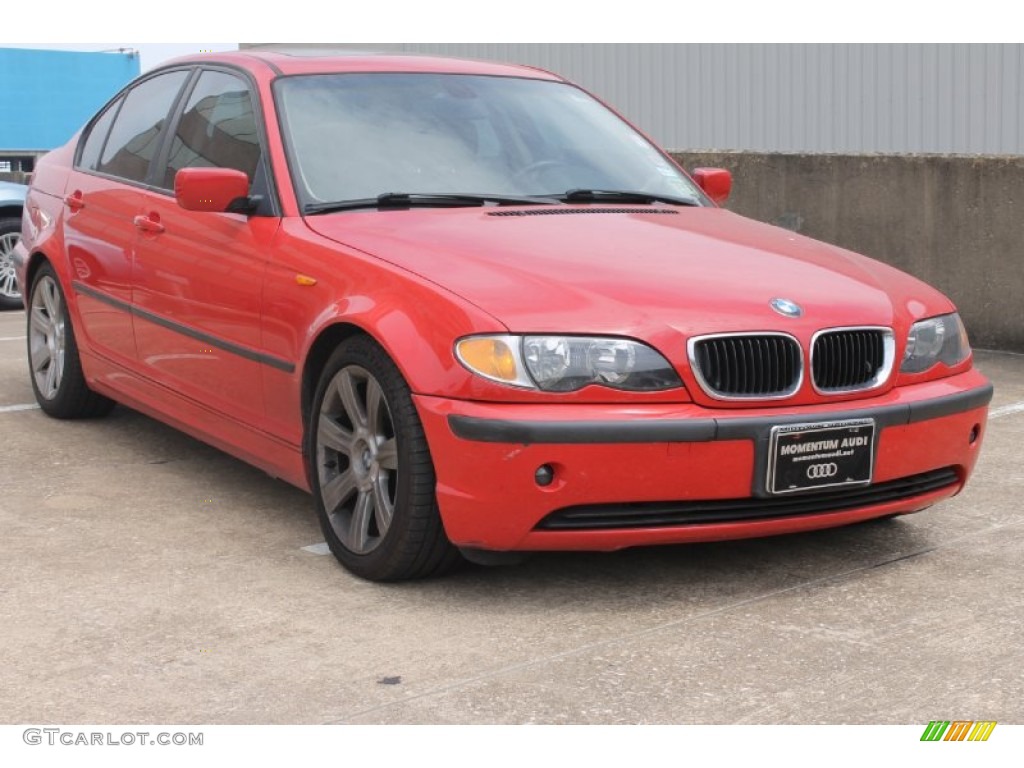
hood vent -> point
(572, 211)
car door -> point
(198, 276)
(102, 198)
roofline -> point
(285, 63)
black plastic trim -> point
(659, 514)
(950, 404)
(586, 432)
(574, 211)
(184, 330)
(702, 430)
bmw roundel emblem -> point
(786, 307)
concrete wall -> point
(956, 222)
(780, 97)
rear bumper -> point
(669, 457)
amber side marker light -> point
(492, 358)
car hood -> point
(594, 270)
(11, 192)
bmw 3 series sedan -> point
(476, 313)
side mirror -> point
(716, 183)
(212, 189)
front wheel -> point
(371, 472)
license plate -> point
(805, 457)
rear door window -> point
(134, 137)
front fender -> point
(313, 285)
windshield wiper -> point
(622, 196)
(426, 200)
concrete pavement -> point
(145, 577)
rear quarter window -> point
(97, 137)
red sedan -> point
(474, 312)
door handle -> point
(74, 201)
(149, 224)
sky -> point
(538, 21)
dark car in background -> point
(12, 201)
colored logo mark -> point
(786, 307)
(958, 730)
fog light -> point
(544, 475)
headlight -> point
(567, 363)
(935, 340)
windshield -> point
(358, 136)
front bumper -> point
(486, 456)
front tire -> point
(55, 368)
(371, 472)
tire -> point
(371, 472)
(54, 365)
(10, 234)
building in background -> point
(910, 153)
(47, 96)
(822, 98)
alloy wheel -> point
(357, 459)
(8, 283)
(47, 337)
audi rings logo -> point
(820, 471)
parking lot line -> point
(12, 338)
(19, 407)
(317, 549)
(1006, 410)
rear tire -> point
(371, 472)
(54, 366)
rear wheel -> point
(371, 472)
(56, 371)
